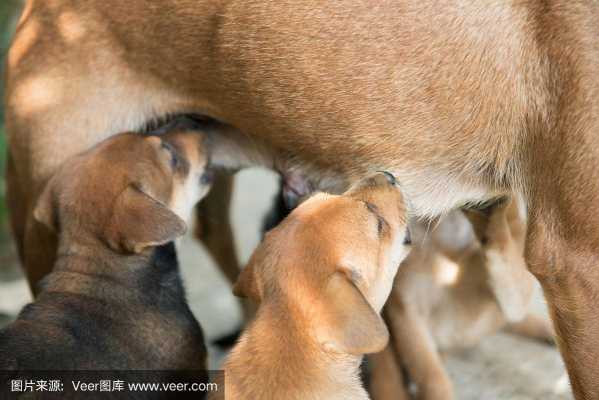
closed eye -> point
(178, 163)
(174, 157)
(382, 224)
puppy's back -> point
(100, 323)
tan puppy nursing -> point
(453, 290)
(321, 279)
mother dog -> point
(460, 100)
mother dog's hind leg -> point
(562, 248)
(563, 253)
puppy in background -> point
(114, 300)
(456, 287)
(321, 278)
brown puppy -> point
(114, 299)
(447, 297)
(460, 100)
(321, 279)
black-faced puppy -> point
(321, 279)
(114, 299)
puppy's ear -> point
(246, 285)
(349, 324)
(139, 221)
(45, 208)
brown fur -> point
(114, 299)
(320, 279)
(445, 299)
(213, 226)
(459, 100)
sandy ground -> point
(502, 367)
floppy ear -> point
(45, 208)
(349, 324)
(246, 285)
(139, 221)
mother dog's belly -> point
(434, 182)
(433, 192)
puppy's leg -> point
(213, 226)
(418, 353)
(533, 327)
(502, 243)
(386, 379)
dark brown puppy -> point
(114, 299)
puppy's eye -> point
(381, 224)
(174, 161)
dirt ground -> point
(502, 367)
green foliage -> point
(8, 12)
(3, 208)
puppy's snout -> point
(380, 179)
(379, 182)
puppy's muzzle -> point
(379, 179)
(390, 177)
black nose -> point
(207, 178)
(408, 238)
(390, 178)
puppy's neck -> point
(97, 271)
(278, 344)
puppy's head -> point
(333, 260)
(129, 192)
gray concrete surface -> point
(502, 367)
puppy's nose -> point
(378, 180)
(207, 178)
(408, 238)
(381, 178)
(390, 178)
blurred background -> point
(9, 270)
(501, 367)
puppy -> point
(114, 299)
(321, 279)
(452, 291)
